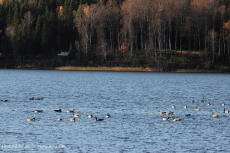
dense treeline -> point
(117, 32)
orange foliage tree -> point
(226, 27)
(123, 48)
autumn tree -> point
(226, 27)
(212, 42)
(84, 23)
(99, 19)
(221, 43)
(152, 28)
(180, 11)
(128, 28)
(95, 30)
(208, 7)
(112, 13)
(193, 23)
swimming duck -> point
(214, 115)
(38, 111)
(223, 104)
(59, 119)
(107, 115)
(96, 119)
(31, 119)
(225, 111)
(59, 110)
(4, 100)
(165, 118)
(187, 115)
(185, 106)
(70, 111)
(159, 112)
(192, 101)
(77, 115)
(31, 98)
(208, 104)
(176, 119)
(173, 106)
(90, 116)
(72, 119)
(169, 113)
(197, 109)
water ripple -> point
(132, 100)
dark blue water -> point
(132, 99)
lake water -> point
(131, 98)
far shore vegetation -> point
(116, 35)
(132, 69)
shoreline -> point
(125, 69)
(132, 69)
(119, 69)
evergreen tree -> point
(66, 25)
(72, 53)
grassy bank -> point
(196, 71)
(107, 69)
(132, 69)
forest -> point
(162, 34)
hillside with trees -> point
(162, 34)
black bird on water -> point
(98, 119)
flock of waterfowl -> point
(195, 109)
(72, 119)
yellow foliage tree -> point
(59, 11)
